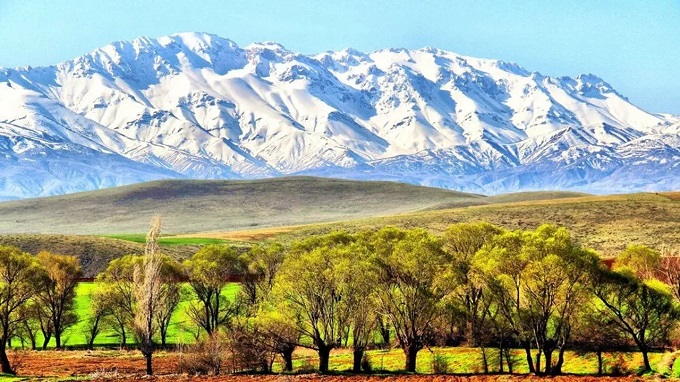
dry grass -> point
(604, 223)
(253, 235)
(671, 195)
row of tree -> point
(477, 284)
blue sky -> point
(634, 45)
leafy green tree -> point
(645, 311)
(358, 279)
(280, 330)
(116, 293)
(171, 274)
(409, 288)
(461, 242)
(99, 310)
(501, 264)
(554, 289)
(644, 261)
(537, 279)
(19, 275)
(29, 329)
(262, 263)
(116, 284)
(209, 270)
(310, 286)
(271, 330)
(596, 332)
(57, 290)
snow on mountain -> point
(197, 105)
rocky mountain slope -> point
(196, 105)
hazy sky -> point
(634, 45)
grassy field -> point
(169, 241)
(604, 223)
(178, 332)
(463, 360)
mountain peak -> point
(197, 105)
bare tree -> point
(148, 290)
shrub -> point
(307, 366)
(440, 364)
(206, 357)
(618, 367)
(250, 350)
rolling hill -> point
(606, 224)
(285, 209)
(211, 205)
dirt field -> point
(373, 378)
(129, 366)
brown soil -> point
(129, 366)
(255, 234)
(82, 363)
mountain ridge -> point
(195, 105)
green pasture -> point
(180, 330)
(141, 238)
(463, 360)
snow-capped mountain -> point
(197, 105)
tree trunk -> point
(599, 362)
(557, 369)
(500, 358)
(324, 356)
(548, 361)
(537, 366)
(508, 360)
(645, 358)
(485, 362)
(149, 369)
(164, 336)
(46, 341)
(384, 333)
(358, 356)
(4, 361)
(57, 339)
(411, 353)
(287, 360)
(32, 339)
(530, 360)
